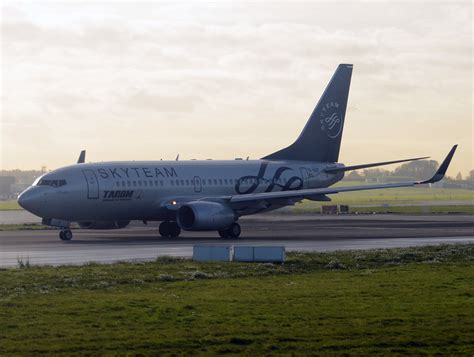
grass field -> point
(9, 206)
(400, 195)
(402, 301)
(23, 227)
(455, 209)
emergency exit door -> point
(197, 184)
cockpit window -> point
(53, 183)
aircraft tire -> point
(65, 234)
(169, 229)
(164, 229)
(175, 230)
(234, 230)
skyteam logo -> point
(331, 119)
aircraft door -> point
(197, 184)
(305, 176)
(92, 184)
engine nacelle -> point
(205, 216)
(104, 224)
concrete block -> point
(259, 254)
(208, 253)
(243, 254)
(269, 254)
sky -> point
(146, 81)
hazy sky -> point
(222, 80)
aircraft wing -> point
(366, 166)
(300, 194)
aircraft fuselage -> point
(144, 190)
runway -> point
(296, 233)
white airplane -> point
(206, 195)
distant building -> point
(6, 183)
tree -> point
(459, 176)
(471, 176)
(355, 176)
(421, 169)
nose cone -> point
(24, 200)
(29, 200)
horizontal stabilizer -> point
(365, 166)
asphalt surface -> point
(296, 233)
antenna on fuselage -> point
(82, 157)
(177, 157)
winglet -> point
(442, 168)
(82, 157)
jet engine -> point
(104, 224)
(205, 216)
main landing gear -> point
(169, 229)
(65, 234)
(233, 231)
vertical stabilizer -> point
(320, 139)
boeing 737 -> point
(207, 195)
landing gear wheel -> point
(65, 234)
(233, 231)
(164, 229)
(175, 230)
(169, 229)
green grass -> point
(457, 209)
(460, 209)
(401, 301)
(399, 195)
(23, 227)
(9, 206)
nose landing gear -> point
(169, 229)
(65, 234)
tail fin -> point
(320, 139)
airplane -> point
(207, 195)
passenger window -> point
(172, 182)
(182, 182)
(177, 182)
(128, 183)
(210, 181)
(139, 183)
(135, 183)
(187, 182)
(161, 183)
(220, 182)
(215, 181)
(145, 183)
